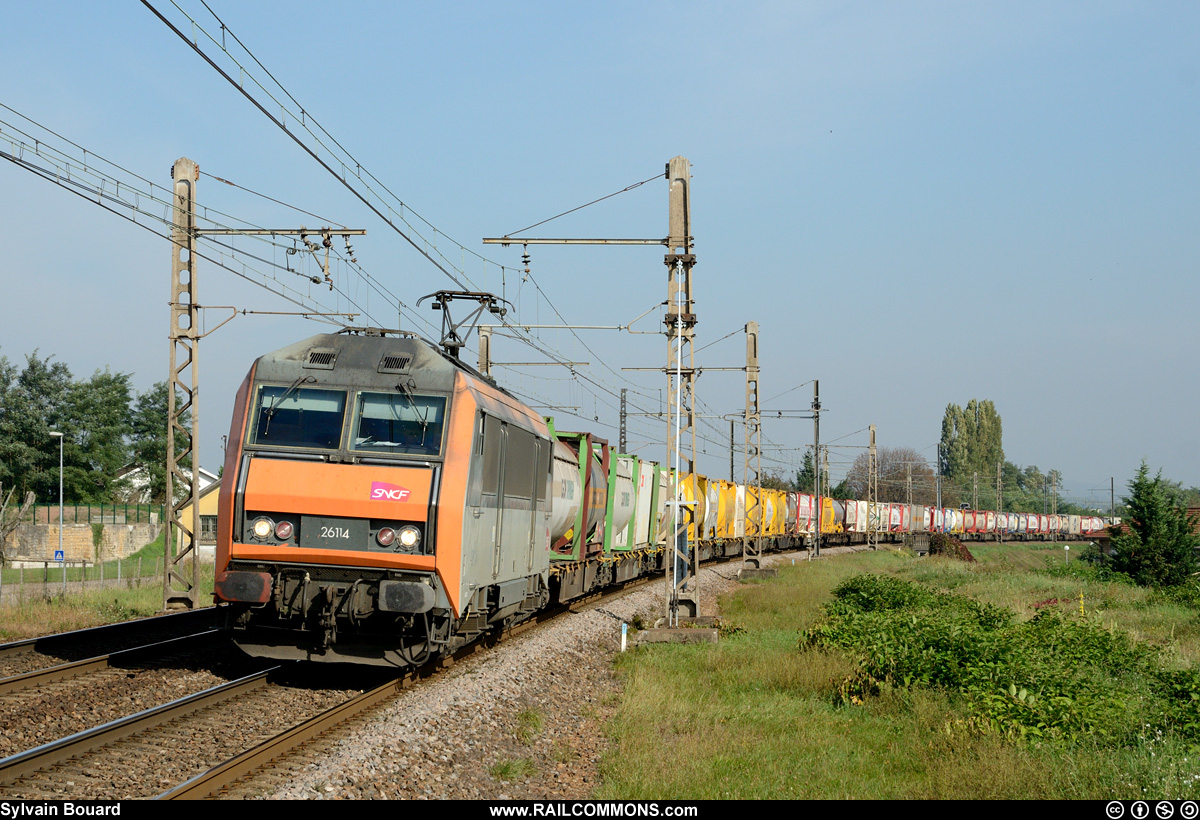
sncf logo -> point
(381, 491)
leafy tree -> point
(1160, 547)
(91, 414)
(98, 410)
(972, 440)
(894, 466)
(952, 447)
(806, 476)
(149, 437)
(11, 515)
(774, 482)
(32, 403)
(1184, 496)
(8, 377)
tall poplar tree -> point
(972, 440)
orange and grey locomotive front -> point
(381, 502)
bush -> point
(1160, 548)
(942, 544)
(1054, 677)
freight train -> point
(384, 503)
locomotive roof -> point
(368, 358)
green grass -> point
(761, 716)
(513, 769)
(77, 610)
(47, 609)
(529, 725)
(149, 558)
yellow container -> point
(829, 522)
(695, 492)
(726, 509)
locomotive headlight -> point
(284, 530)
(386, 536)
(410, 536)
(263, 527)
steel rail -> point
(52, 674)
(246, 764)
(48, 755)
(46, 643)
(222, 776)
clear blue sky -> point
(919, 203)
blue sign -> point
(58, 555)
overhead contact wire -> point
(593, 202)
(300, 143)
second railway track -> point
(23, 656)
(141, 755)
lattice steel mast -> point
(873, 513)
(752, 450)
(680, 323)
(179, 589)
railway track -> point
(23, 656)
(540, 702)
(124, 658)
(47, 703)
(181, 733)
(244, 766)
(240, 769)
(139, 755)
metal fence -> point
(99, 514)
(52, 578)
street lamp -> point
(59, 436)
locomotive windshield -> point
(401, 423)
(298, 417)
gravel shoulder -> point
(523, 721)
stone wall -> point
(38, 542)
(121, 540)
